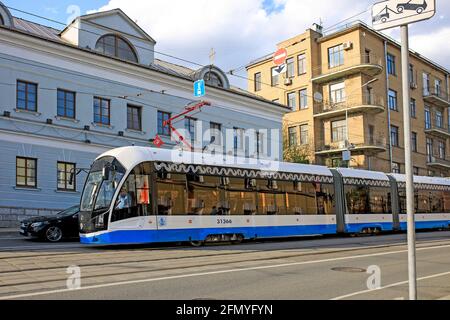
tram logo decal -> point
(162, 222)
(236, 172)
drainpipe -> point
(387, 105)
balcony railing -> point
(438, 162)
(436, 96)
(370, 146)
(369, 103)
(437, 129)
(352, 63)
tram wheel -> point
(197, 243)
(238, 240)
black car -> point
(412, 6)
(52, 228)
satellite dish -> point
(318, 97)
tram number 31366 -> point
(224, 221)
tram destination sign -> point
(394, 13)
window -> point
(441, 149)
(171, 194)
(189, 126)
(163, 130)
(102, 111)
(336, 56)
(292, 100)
(431, 173)
(371, 134)
(275, 77)
(415, 171)
(304, 134)
(66, 104)
(429, 150)
(394, 136)
(292, 136)
(437, 87)
(260, 142)
(338, 131)
(290, 72)
(413, 108)
(439, 119)
(391, 64)
(427, 118)
(26, 172)
(337, 92)
(301, 64)
(367, 200)
(395, 167)
(113, 45)
(367, 56)
(258, 81)
(426, 83)
(303, 99)
(65, 171)
(411, 76)
(213, 79)
(238, 138)
(414, 141)
(216, 133)
(134, 118)
(134, 199)
(26, 96)
(393, 100)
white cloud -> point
(239, 30)
(435, 45)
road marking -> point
(216, 272)
(40, 247)
(390, 286)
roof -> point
(158, 65)
(363, 174)
(130, 157)
(422, 179)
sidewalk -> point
(8, 232)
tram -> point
(144, 195)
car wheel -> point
(53, 234)
(400, 9)
(383, 20)
(419, 10)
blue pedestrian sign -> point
(199, 88)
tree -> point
(297, 153)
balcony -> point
(367, 64)
(370, 147)
(438, 163)
(370, 104)
(437, 130)
(437, 97)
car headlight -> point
(37, 224)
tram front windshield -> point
(100, 188)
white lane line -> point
(390, 286)
(37, 247)
(215, 272)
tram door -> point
(340, 201)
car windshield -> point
(98, 193)
(69, 212)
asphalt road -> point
(318, 268)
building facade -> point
(67, 96)
(344, 89)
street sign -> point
(279, 70)
(394, 13)
(158, 142)
(280, 57)
(199, 88)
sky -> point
(239, 30)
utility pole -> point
(408, 167)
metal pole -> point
(408, 168)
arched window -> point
(213, 79)
(116, 46)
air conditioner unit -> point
(288, 82)
(413, 85)
(347, 45)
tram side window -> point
(422, 201)
(446, 197)
(300, 197)
(203, 195)
(271, 199)
(134, 197)
(240, 195)
(324, 198)
(171, 194)
(368, 200)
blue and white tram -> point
(145, 195)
